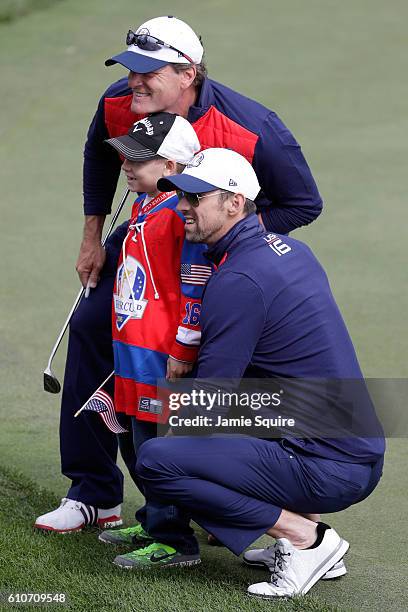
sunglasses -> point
(151, 43)
(194, 199)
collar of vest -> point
(204, 101)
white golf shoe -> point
(74, 516)
(265, 557)
(295, 571)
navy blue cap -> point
(185, 182)
(136, 62)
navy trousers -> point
(165, 521)
(140, 431)
(88, 448)
(235, 487)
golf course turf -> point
(335, 73)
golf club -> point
(51, 382)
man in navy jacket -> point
(267, 312)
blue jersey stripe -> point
(139, 364)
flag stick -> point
(100, 387)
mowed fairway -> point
(336, 74)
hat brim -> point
(185, 182)
(136, 62)
(131, 149)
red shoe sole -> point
(48, 528)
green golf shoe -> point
(133, 536)
(156, 555)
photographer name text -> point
(221, 422)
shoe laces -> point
(149, 550)
(280, 563)
(74, 504)
(77, 505)
(133, 530)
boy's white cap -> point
(169, 30)
(215, 169)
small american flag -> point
(101, 402)
(194, 274)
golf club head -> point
(51, 383)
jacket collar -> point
(205, 100)
(246, 228)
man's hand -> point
(92, 255)
(177, 369)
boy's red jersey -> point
(156, 304)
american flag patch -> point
(101, 402)
(194, 274)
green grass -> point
(81, 567)
(335, 73)
(12, 9)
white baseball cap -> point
(164, 134)
(158, 42)
(215, 169)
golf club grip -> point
(82, 290)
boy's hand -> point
(177, 369)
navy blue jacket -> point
(221, 118)
(268, 311)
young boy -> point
(160, 277)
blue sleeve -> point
(195, 269)
(101, 167)
(286, 180)
(232, 320)
(194, 273)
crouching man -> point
(268, 311)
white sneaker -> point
(296, 571)
(265, 557)
(74, 516)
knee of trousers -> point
(153, 459)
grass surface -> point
(335, 73)
(12, 9)
(81, 567)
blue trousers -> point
(165, 521)
(88, 448)
(129, 446)
(235, 487)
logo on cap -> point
(142, 31)
(147, 124)
(232, 183)
(196, 161)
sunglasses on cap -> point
(147, 42)
(194, 199)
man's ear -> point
(170, 167)
(236, 204)
(188, 76)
